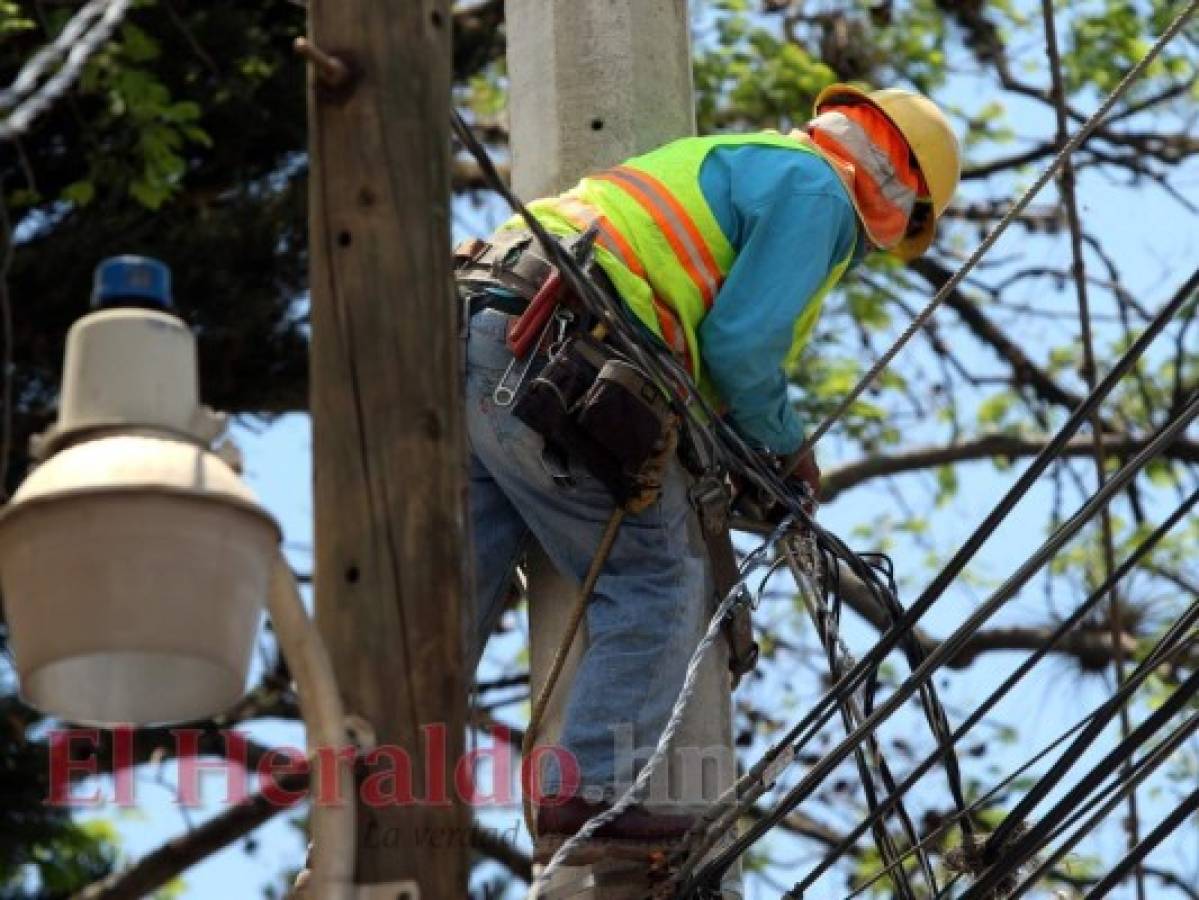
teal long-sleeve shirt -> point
(789, 219)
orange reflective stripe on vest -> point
(672, 332)
(676, 226)
(583, 216)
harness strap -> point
(738, 626)
(509, 261)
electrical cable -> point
(1026, 844)
(988, 703)
(83, 47)
(1108, 800)
(819, 715)
(827, 624)
(1164, 437)
(1005, 829)
(1165, 828)
(944, 826)
(1023, 843)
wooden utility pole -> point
(387, 432)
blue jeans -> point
(644, 614)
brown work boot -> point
(636, 825)
(636, 833)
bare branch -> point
(987, 446)
(1024, 370)
(159, 867)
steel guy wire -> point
(1164, 437)
(1139, 553)
(83, 48)
(1098, 809)
(1084, 131)
(37, 65)
(822, 710)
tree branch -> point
(159, 867)
(988, 446)
(1024, 370)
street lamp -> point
(134, 562)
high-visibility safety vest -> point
(659, 242)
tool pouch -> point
(549, 402)
(626, 413)
(604, 413)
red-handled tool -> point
(525, 331)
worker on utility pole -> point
(724, 249)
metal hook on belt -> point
(504, 394)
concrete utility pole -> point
(593, 83)
(387, 435)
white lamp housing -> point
(131, 367)
(134, 563)
(134, 572)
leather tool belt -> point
(511, 260)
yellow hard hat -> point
(931, 140)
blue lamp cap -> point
(132, 281)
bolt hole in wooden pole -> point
(436, 18)
(597, 124)
(352, 574)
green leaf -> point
(947, 484)
(994, 409)
(136, 45)
(148, 194)
(80, 193)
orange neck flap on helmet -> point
(874, 161)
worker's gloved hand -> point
(804, 470)
(800, 473)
